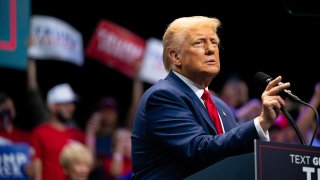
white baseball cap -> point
(61, 93)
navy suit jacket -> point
(174, 137)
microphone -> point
(263, 79)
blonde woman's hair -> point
(175, 34)
(74, 151)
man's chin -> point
(213, 72)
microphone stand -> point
(316, 119)
(294, 125)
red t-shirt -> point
(48, 143)
(16, 135)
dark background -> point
(275, 37)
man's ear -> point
(175, 58)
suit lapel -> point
(226, 115)
(196, 101)
(205, 115)
(223, 115)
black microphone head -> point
(262, 78)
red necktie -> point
(212, 110)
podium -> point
(238, 167)
(270, 161)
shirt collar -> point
(191, 84)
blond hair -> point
(73, 152)
(176, 33)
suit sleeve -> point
(173, 123)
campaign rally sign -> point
(116, 47)
(13, 158)
(54, 39)
(14, 31)
(286, 161)
(152, 69)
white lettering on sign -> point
(10, 164)
(124, 50)
(299, 159)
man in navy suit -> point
(173, 135)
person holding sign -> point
(15, 151)
(50, 137)
(7, 127)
